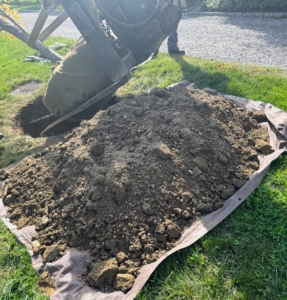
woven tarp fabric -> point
(67, 269)
(76, 79)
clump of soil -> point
(124, 185)
(47, 284)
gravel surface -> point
(258, 41)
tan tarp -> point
(78, 77)
(67, 269)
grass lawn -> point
(23, 5)
(245, 257)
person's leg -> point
(172, 42)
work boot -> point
(176, 50)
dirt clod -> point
(102, 274)
(124, 185)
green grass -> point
(29, 5)
(15, 72)
(242, 258)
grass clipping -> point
(124, 185)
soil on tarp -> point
(124, 185)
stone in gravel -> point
(164, 152)
(36, 246)
(185, 134)
(263, 147)
(102, 274)
(173, 231)
(124, 282)
(97, 148)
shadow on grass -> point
(213, 79)
(242, 258)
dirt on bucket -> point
(125, 185)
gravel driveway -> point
(258, 41)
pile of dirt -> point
(124, 185)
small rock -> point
(164, 152)
(1, 136)
(100, 179)
(223, 159)
(124, 282)
(102, 274)
(36, 246)
(97, 148)
(201, 163)
(45, 220)
(185, 134)
(196, 172)
(176, 121)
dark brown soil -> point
(124, 185)
(33, 118)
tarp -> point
(67, 269)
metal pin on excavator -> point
(138, 26)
